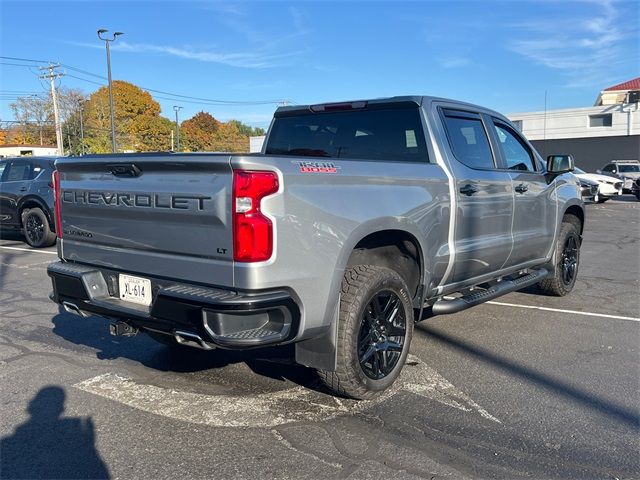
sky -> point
(244, 58)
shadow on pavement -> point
(275, 363)
(8, 234)
(48, 446)
(624, 198)
(558, 387)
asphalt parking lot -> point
(527, 386)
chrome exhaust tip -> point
(191, 340)
(73, 308)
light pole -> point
(81, 104)
(113, 122)
(177, 109)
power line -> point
(210, 101)
(85, 80)
(25, 59)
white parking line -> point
(275, 408)
(33, 250)
(575, 312)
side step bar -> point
(454, 305)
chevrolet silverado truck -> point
(357, 220)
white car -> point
(609, 186)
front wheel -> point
(602, 199)
(375, 327)
(567, 260)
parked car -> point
(589, 190)
(626, 170)
(26, 198)
(609, 186)
(357, 220)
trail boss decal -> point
(317, 167)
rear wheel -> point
(567, 260)
(374, 332)
(36, 228)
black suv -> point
(26, 198)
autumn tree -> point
(133, 108)
(203, 133)
(198, 133)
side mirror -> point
(614, 171)
(560, 164)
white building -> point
(609, 130)
(16, 150)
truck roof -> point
(404, 99)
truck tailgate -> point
(159, 215)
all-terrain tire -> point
(36, 229)
(557, 283)
(360, 286)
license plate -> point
(135, 289)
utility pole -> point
(172, 149)
(52, 76)
(177, 109)
(107, 40)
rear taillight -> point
(57, 201)
(252, 231)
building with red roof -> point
(620, 93)
(596, 135)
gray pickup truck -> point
(357, 220)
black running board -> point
(446, 306)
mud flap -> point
(320, 352)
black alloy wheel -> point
(382, 335)
(34, 229)
(569, 260)
(374, 331)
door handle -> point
(23, 189)
(469, 189)
(521, 188)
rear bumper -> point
(221, 318)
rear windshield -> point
(393, 134)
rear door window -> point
(468, 139)
(390, 134)
(18, 171)
(3, 167)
